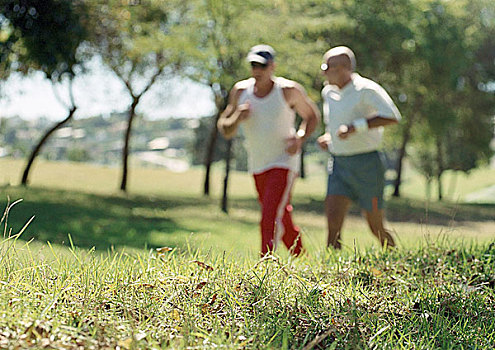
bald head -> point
(341, 55)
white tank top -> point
(270, 123)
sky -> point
(100, 93)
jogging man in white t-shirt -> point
(355, 111)
(266, 106)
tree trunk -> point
(406, 136)
(398, 170)
(428, 189)
(41, 143)
(228, 156)
(221, 103)
(439, 182)
(125, 151)
(210, 152)
(440, 169)
(302, 170)
(132, 113)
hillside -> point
(99, 140)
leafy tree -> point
(34, 34)
(43, 35)
(457, 114)
(78, 155)
(218, 62)
(139, 43)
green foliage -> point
(43, 35)
(453, 112)
(78, 155)
(134, 40)
(139, 44)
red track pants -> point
(274, 187)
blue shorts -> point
(360, 177)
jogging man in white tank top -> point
(266, 107)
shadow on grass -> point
(444, 213)
(93, 220)
(136, 221)
(402, 210)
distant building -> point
(159, 143)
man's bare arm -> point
(299, 100)
(233, 115)
(306, 109)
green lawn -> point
(208, 289)
(165, 208)
(144, 181)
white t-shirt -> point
(270, 123)
(360, 98)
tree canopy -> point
(42, 34)
(434, 57)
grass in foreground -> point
(431, 297)
(211, 291)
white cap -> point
(261, 54)
(337, 51)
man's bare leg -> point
(336, 209)
(375, 222)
